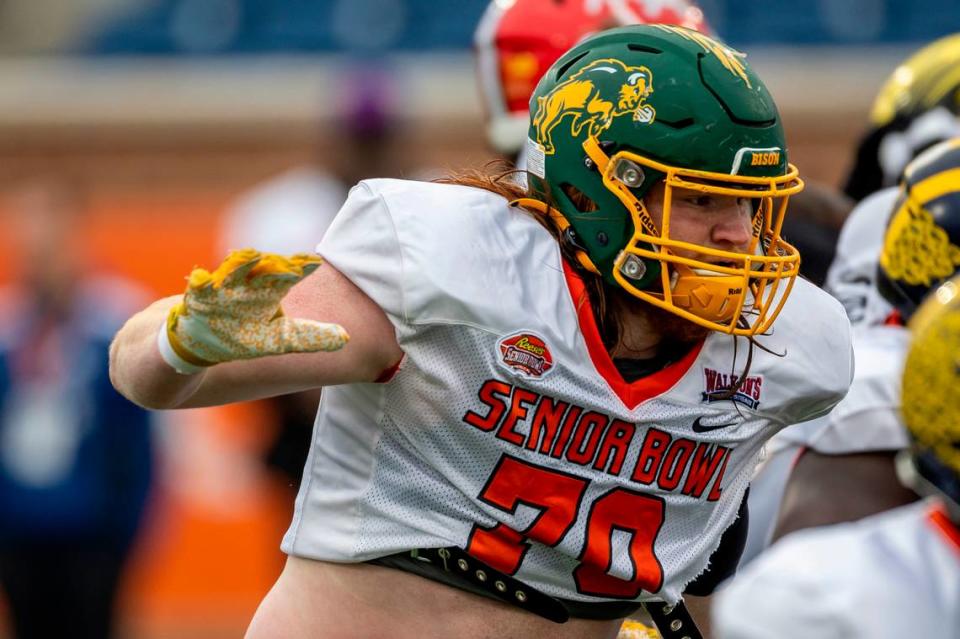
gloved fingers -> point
(308, 263)
(235, 313)
(280, 273)
(201, 283)
(308, 336)
(247, 265)
(237, 266)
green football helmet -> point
(632, 106)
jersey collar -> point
(631, 394)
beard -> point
(673, 330)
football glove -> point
(633, 629)
(234, 313)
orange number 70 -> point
(559, 497)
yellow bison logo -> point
(594, 96)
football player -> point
(900, 121)
(554, 394)
(840, 467)
(892, 575)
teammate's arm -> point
(140, 373)
(830, 489)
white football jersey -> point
(852, 277)
(508, 431)
(867, 420)
(891, 575)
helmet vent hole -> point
(578, 198)
(562, 70)
(679, 124)
(643, 49)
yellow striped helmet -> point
(921, 247)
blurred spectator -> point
(289, 213)
(75, 456)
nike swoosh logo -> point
(700, 428)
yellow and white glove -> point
(633, 629)
(235, 313)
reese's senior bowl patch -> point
(525, 353)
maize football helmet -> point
(516, 41)
(931, 379)
(921, 246)
(635, 105)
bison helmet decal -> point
(592, 97)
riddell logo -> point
(526, 353)
(718, 385)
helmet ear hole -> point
(580, 200)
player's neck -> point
(639, 339)
(646, 330)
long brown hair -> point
(504, 179)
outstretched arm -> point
(140, 373)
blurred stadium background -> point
(162, 111)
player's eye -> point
(703, 201)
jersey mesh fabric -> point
(452, 462)
(397, 466)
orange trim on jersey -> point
(894, 319)
(941, 521)
(388, 374)
(631, 394)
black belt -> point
(673, 622)
(464, 569)
(455, 567)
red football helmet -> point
(517, 41)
